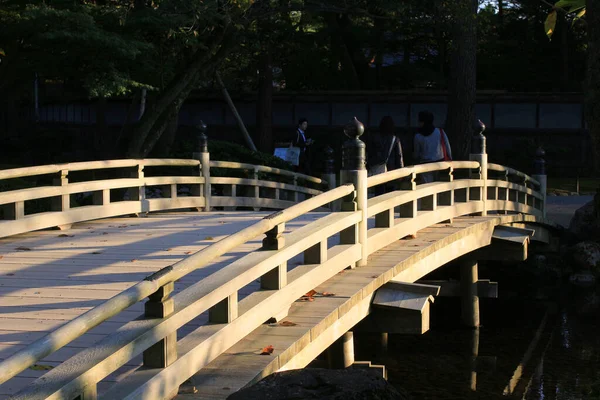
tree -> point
(592, 92)
(591, 10)
(462, 84)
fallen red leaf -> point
(310, 294)
(287, 323)
(328, 294)
(1, 257)
(266, 351)
(188, 252)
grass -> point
(586, 185)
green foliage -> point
(576, 7)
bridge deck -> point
(322, 318)
(50, 277)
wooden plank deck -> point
(50, 277)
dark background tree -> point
(171, 48)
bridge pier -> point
(470, 300)
(340, 354)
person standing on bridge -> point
(431, 144)
(384, 152)
(303, 142)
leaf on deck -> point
(267, 351)
(287, 323)
(41, 367)
(327, 294)
(209, 238)
(21, 248)
(65, 235)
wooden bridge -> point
(235, 293)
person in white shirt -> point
(431, 144)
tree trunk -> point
(100, 131)
(564, 54)
(163, 122)
(264, 107)
(339, 47)
(202, 62)
(165, 143)
(592, 93)
(462, 86)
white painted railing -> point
(459, 189)
(62, 194)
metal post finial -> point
(353, 150)
(202, 138)
(539, 165)
(478, 141)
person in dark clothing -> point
(303, 142)
(384, 152)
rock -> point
(325, 384)
(586, 256)
(585, 224)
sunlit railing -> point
(459, 188)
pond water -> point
(525, 349)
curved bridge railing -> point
(362, 227)
(60, 195)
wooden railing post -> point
(539, 174)
(354, 171)
(160, 305)
(63, 202)
(329, 173)
(257, 188)
(478, 153)
(204, 157)
(277, 277)
(410, 209)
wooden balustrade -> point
(130, 187)
(411, 207)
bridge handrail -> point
(269, 170)
(511, 171)
(419, 169)
(93, 165)
(136, 178)
(78, 326)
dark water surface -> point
(525, 349)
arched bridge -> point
(266, 292)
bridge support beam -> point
(341, 353)
(470, 300)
